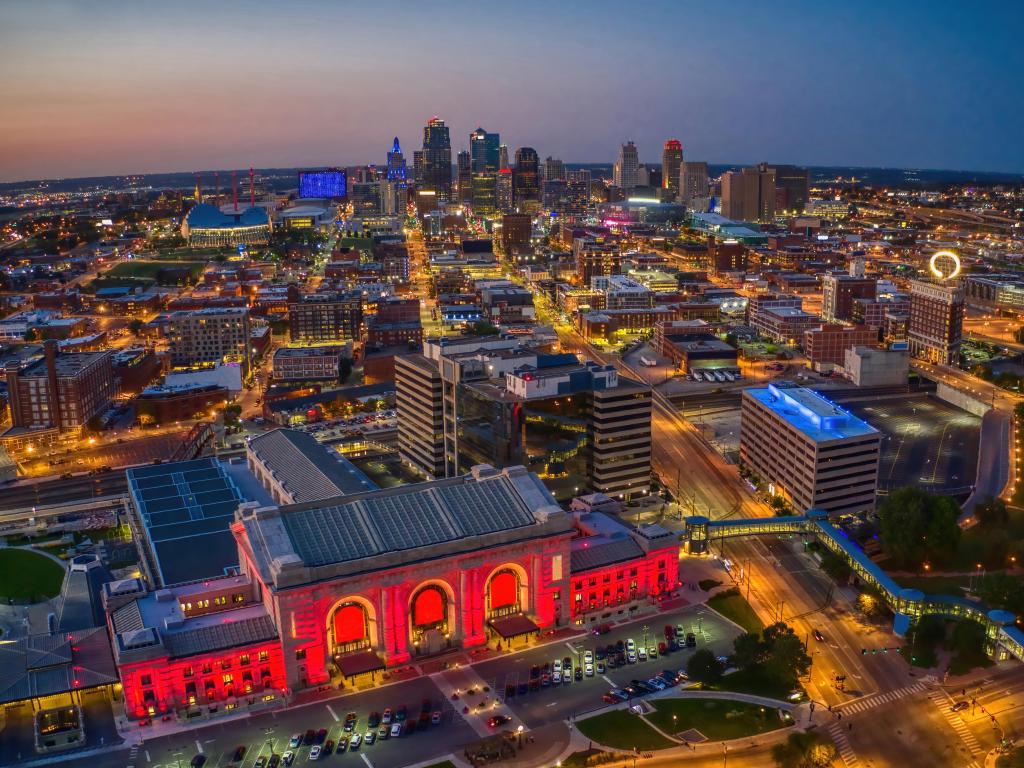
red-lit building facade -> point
(407, 573)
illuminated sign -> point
(936, 269)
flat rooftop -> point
(817, 417)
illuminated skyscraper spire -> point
(396, 163)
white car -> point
(642, 654)
(630, 646)
(556, 667)
(588, 669)
(355, 741)
(631, 657)
(588, 657)
(556, 677)
(370, 737)
(295, 741)
(396, 730)
(386, 717)
(314, 753)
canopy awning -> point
(359, 663)
(513, 626)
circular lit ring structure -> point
(933, 264)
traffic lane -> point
(269, 733)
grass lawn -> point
(621, 729)
(708, 584)
(148, 270)
(744, 681)
(732, 605)
(717, 719)
(442, 764)
(27, 575)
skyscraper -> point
(485, 149)
(792, 188)
(464, 172)
(671, 161)
(693, 182)
(396, 163)
(527, 173)
(626, 175)
(503, 157)
(437, 159)
(505, 191)
(749, 194)
(577, 193)
(554, 170)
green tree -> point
(344, 369)
(31, 334)
(785, 660)
(1001, 590)
(135, 326)
(968, 638)
(704, 667)
(481, 328)
(748, 651)
(917, 527)
(835, 566)
(804, 750)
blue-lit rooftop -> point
(815, 416)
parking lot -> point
(927, 442)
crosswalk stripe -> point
(955, 722)
(842, 743)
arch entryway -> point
(351, 626)
(431, 618)
(506, 591)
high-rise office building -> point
(626, 174)
(420, 414)
(693, 182)
(503, 157)
(485, 149)
(505, 191)
(577, 193)
(464, 173)
(808, 449)
(671, 161)
(437, 159)
(554, 169)
(516, 232)
(324, 318)
(417, 165)
(527, 175)
(749, 194)
(839, 292)
(213, 335)
(792, 188)
(396, 163)
(936, 321)
(329, 183)
(485, 192)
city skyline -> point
(142, 94)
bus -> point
(647, 362)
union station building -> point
(332, 590)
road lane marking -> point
(366, 759)
(199, 746)
(147, 756)
(609, 681)
(336, 718)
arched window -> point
(350, 624)
(430, 607)
(503, 592)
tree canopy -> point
(918, 527)
(776, 653)
(703, 667)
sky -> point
(107, 87)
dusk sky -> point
(104, 87)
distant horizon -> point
(207, 181)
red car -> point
(498, 720)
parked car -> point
(314, 753)
(370, 737)
(355, 741)
(396, 730)
(288, 758)
(496, 721)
